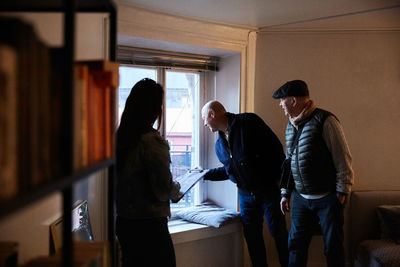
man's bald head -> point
(212, 105)
(213, 114)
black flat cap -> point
(292, 88)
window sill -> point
(183, 231)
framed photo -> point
(81, 228)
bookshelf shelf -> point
(18, 202)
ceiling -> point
(264, 13)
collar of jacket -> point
(305, 120)
(231, 120)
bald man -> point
(252, 156)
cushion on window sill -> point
(209, 214)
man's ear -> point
(294, 101)
(212, 113)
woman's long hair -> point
(143, 107)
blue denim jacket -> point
(252, 155)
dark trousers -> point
(252, 210)
(304, 213)
(145, 242)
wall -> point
(352, 71)
(227, 84)
(355, 75)
(219, 251)
(30, 226)
(208, 246)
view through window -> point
(181, 117)
(181, 125)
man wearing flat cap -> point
(318, 161)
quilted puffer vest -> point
(311, 164)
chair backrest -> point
(361, 215)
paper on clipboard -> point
(189, 179)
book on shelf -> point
(40, 116)
(59, 114)
(29, 129)
(8, 254)
(26, 114)
(8, 122)
(95, 86)
(22, 103)
(80, 116)
(109, 87)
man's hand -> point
(340, 197)
(285, 205)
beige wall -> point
(355, 75)
(30, 227)
(227, 82)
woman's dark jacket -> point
(252, 157)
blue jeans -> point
(304, 213)
(145, 242)
(252, 210)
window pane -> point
(182, 117)
(128, 77)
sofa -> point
(370, 241)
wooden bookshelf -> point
(65, 181)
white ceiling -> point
(263, 13)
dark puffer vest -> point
(312, 166)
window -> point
(181, 117)
(128, 77)
(181, 127)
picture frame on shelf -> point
(81, 227)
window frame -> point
(199, 188)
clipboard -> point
(188, 180)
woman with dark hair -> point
(144, 181)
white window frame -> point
(199, 188)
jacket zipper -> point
(234, 163)
(298, 165)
